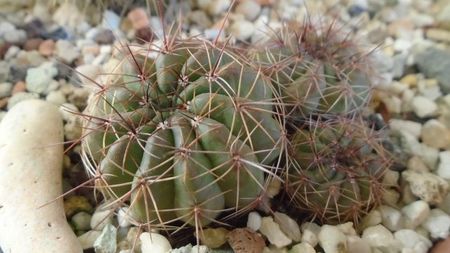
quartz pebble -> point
(106, 242)
(101, 218)
(415, 213)
(87, 239)
(410, 239)
(242, 29)
(443, 169)
(38, 79)
(438, 224)
(302, 248)
(249, 8)
(332, 240)
(310, 233)
(288, 226)
(355, 244)
(391, 218)
(154, 243)
(272, 231)
(435, 134)
(81, 221)
(254, 221)
(427, 186)
(423, 106)
(414, 128)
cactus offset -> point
(319, 69)
(336, 170)
(182, 131)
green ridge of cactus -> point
(181, 131)
(319, 68)
(336, 169)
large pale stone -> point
(31, 156)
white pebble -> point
(347, 228)
(101, 218)
(249, 8)
(423, 107)
(438, 224)
(435, 134)
(412, 240)
(242, 29)
(411, 127)
(218, 6)
(377, 236)
(332, 240)
(356, 244)
(373, 218)
(391, 218)
(254, 221)
(288, 226)
(427, 186)
(154, 243)
(310, 232)
(272, 231)
(443, 169)
(415, 213)
(87, 239)
(123, 217)
(302, 248)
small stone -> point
(217, 7)
(423, 107)
(73, 130)
(272, 231)
(56, 97)
(110, 20)
(138, 18)
(427, 186)
(87, 73)
(87, 239)
(144, 35)
(378, 236)
(347, 228)
(101, 218)
(410, 79)
(373, 218)
(254, 221)
(154, 243)
(214, 237)
(357, 245)
(242, 29)
(332, 240)
(32, 44)
(439, 35)
(302, 248)
(443, 169)
(417, 165)
(20, 96)
(435, 63)
(200, 18)
(249, 9)
(104, 36)
(415, 213)
(410, 239)
(15, 37)
(438, 224)
(243, 240)
(288, 226)
(107, 241)
(391, 218)
(81, 221)
(75, 204)
(66, 51)
(310, 232)
(38, 79)
(435, 134)
(123, 217)
(5, 89)
(46, 48)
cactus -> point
(336, 169)
(319, 69)
(181, 131)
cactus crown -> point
(182, 130)
(337, 168)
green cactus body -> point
(317, 69)
(182, 135)
(336, 170)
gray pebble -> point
(106, 242)
(5, 89)
(38, 79)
